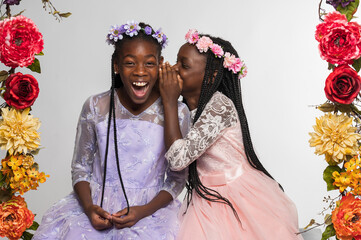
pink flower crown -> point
(236, 65)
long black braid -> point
(117, 83)
(227, 83)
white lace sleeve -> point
(218, 115)
(175, 181)
(85, 145)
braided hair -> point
(226, 82)
(117, 83)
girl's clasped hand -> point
(101, 219)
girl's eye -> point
(150, 64)
(185, 66)
(129, 63)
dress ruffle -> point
(265, 212)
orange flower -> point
(15, 218)
(346, 218)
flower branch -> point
(48, 6)
(320, 10)
(337, 134)
(20, 43)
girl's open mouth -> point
(140, 88)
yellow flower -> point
(24, 185)
(18, 175)
(335, 137)
(350, 178)
(27, 160)
(18, 131)
(342, 181)
(42, 177)
(33, 173)
(14, 162)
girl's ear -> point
(116, 69)
(161, 59)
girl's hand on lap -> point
(170, 83)
(99, 218)
(120, 220)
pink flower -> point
(217, 50)
(192, 36)
(339, 40)
(229, 60)
(20, 40)
(204, 43)
(236, 66)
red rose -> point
(340, 41)
(20, 40)
(343, 85)
(21, 90)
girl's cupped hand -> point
(170, 83)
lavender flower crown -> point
(132, 28)
(236, 65)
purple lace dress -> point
(144, 170)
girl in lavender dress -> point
(118, 168)
(231, 196)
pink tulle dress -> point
(215, 140)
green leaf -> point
(35, 67)
(345, 108)
(327, 176)
(36, 151)
(2, 179)
(329, 232)
(34, 226)
(40, 54)
(65, 15)
(331, 66)
(327, 107)
(27, 236)
(5, 195)
(328, 219)
(349, 10)
(3, 75)
(357, 64)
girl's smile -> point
(140, 89)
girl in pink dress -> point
(230, 194)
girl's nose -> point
(139, 70)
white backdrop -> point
(275, 38)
